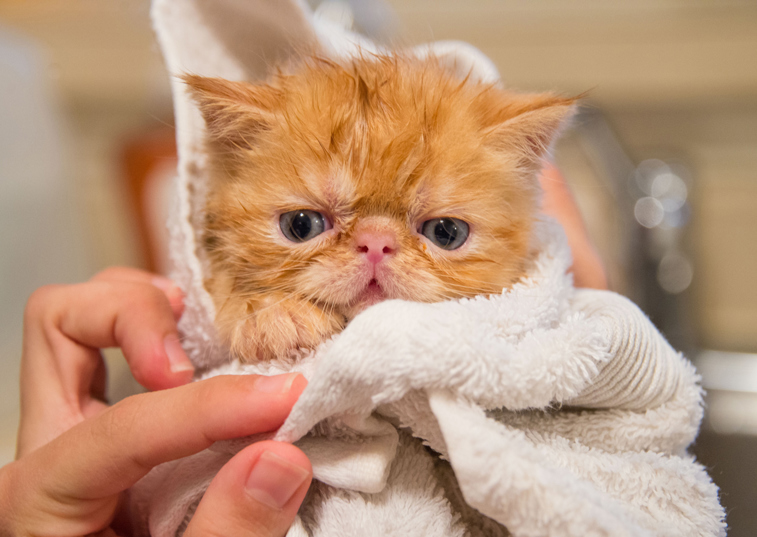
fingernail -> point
(177, 360)
(274, 480)
(164, 284)
(276, 383)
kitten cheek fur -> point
(390, 139)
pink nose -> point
(376, 245)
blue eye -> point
(447, 233)
(303, 225)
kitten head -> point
(385, 177)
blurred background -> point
(662, 160)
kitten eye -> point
(447, 233)
(303, 225)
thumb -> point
(257, 493)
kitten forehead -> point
(329, 187)
(386, 122)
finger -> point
(257, 493)
(145, 430)
(65, 325)
(78, 475)
(64, 328)
(127, 274)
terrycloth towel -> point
(544, 411)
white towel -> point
(547, 410)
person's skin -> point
(76, 455)
(588, 270)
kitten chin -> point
(340, 185)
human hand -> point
(588, 269)
(63, 375)
(69, 476)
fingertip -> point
(180, 369)
(173, 292)
(166, 365)
(178, 361)
(163, 283)
(179, 378)
(286, 451)
(278, 474)
(258, 491)
(298, 385)
(286, 383)
(176, 299)
(286, 387)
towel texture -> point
(545, 410)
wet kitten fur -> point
(379, 145)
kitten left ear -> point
(530, 134)
(235, 112)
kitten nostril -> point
(376, 246)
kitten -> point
(345, 184)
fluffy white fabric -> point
(547, 410)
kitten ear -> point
(530, 133)
(235, 113)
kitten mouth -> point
(371, 294)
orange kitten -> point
(342, 185)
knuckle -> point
(240, 524)
(148, 296)
(208, 389)
(41, 301)
(110, 424)
(120, 426)
(237, 518)
(199, 528)
(139, 299)
(120, 419)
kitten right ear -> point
(534, 122)
(235, 113)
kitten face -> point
(341, 186)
